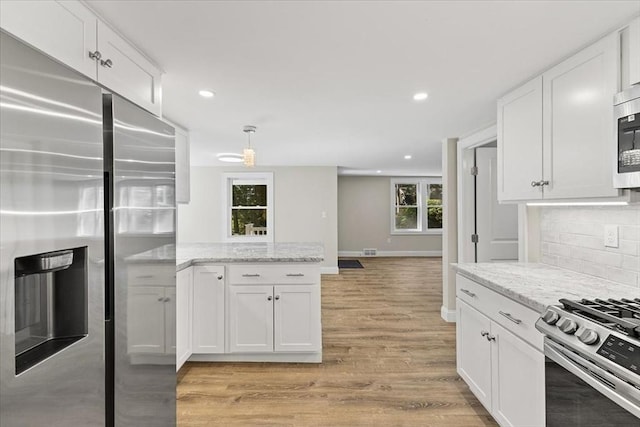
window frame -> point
(246, 178)
(422, 192)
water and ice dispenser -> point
(50, 304)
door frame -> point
(465, 202)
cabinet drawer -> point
(152, 275)
(273, 274)
(474, 294)
(513, 316)
(516, 318)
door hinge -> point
(474, 238)
(474, 170)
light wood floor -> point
(388, 359)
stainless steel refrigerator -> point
(87, 251)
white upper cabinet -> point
(630, 54)
(183, 182)
(126, 71)
(578, 139)
(520, 142)
(71, 33)
(62, 29)
(555, 133)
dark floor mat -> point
(349, 263)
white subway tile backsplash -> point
(573, 238)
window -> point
(416, 206)
(249, 207)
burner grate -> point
(622, 315)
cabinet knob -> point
(543, 183)
(535, 183)
(108, 63)
(269, 298)
(95, 55)
(277, 297)
(484, 333)
(220, 277)
(167, 299)
(491, 338)
(160, 299)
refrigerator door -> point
(144, 267)
(51, 243)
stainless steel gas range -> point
(592, 369)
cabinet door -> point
(250, 319)
(183, 184)
(170, 320)
(184, 310)
(473, 355)
(64, 30)
(297, 318)
(578, 141)
(518, 381)
(146, 320)
(208, 309)
(520, 142)
(129, 73)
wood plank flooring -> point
(388, 360)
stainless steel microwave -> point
(627, 126)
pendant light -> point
(249, 156)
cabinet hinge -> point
(474, 238)
(474, 170)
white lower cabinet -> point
(151, 322)
(503, 370)
(208, 309)
(184, 323)
(281, 318)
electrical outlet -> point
(388, 239)
(611, 236)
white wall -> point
(364, 220)
(301, 196)
(573, 238)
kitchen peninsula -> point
(248, 302)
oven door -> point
(579, 393)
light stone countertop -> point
(539, 285)
(201, 253)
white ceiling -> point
(331, 83)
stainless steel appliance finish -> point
(627, 125)
(80, 168)
(144, 219)
(592, 351)
(51, 168)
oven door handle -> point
(611, 386)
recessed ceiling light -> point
(206, 94)
(378, 171)
(407, 157)
(420, 96)
(230, 157)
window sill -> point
(417, 233)
(249, 239)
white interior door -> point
(496, 224)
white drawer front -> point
(273, 274)
(152, 275)
(474, 294)
(516, 318)
(513, 316)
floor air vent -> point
(369, 251)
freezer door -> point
(51, 228)
(144, 265)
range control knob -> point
(587, 336)
(550, 317)
(567, 325)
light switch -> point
(611, 236)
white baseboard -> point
(259, 357)
(392, 253)
(448, 315)
(329, 270)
